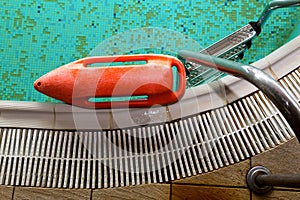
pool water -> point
(39, 36)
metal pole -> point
(282, 180)
(260, 180)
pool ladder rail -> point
(233, 46)
(288, 106)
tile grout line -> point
(171, 186)
(218, 186)
(251, 193)
(13, 193)
(91, 195)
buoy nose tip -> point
(37, 84)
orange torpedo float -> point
(116, 81)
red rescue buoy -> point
(148, 80)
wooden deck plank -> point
(189, 192)
(6, 192)
(151, 191)
(275, 194)
(284, 159)
(50, 193)
(233, 175)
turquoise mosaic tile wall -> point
(38, 36)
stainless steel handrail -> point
(274, 5)
(288, 107)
